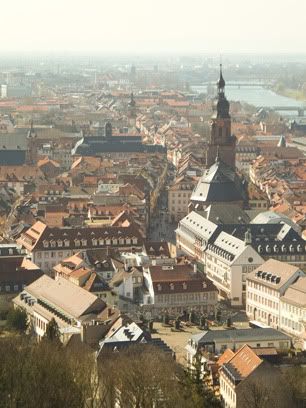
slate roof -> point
(179, 279)
(40, 235)
(219, 183)
(95, 145)
(243, 335)
(266, 239)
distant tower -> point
(133, 72)
(132, 111)
(31, 155)
(221, 143)
(282, 142)
(108, 130)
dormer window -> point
(101, 241)
(94, 242)
(128, 241)
(159, 287)
(204, 285)
(77, 242)
(84, 242)
(121, 241)
(115, 241)
(171, 286)
(46, 244)
(53, 244)
(184, 285)
(66, 242)
(59, 243)
(134, 240)
(108, 241)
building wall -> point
(227, 391)
(293, 322)
(263, 302)
(178, 202)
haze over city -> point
(154, 26)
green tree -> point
(52, 331)
(17, 320)
(201, 396)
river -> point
(256, 95)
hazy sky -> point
(139, 26)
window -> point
(15, 288)
(7, 288)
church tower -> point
(221, 142)
(132, 114)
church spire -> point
(221, 104)
(221, 82)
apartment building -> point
(293, 312)
(49, 246)
(265, 288)
(227, 259)
(178, 197)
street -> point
(161, 229)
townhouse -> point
(276, 296)
(177, 289)
(48, 246)
(245, 378)
(178, 197)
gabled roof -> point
(241, 335)
(65, 295)
(242, 364)
(225, 357)
(281, 271)
(296, 293)
(157, 248)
